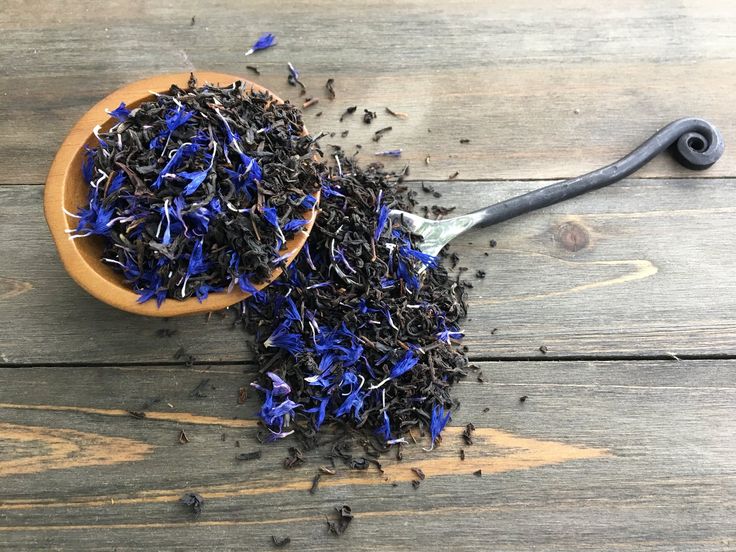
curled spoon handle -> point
(696, 144)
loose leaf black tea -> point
(330, 86)
(355, 334)
(315, 483)
(379, 133)
(194, 501)
(295, 458)
(468, 434)
(245, 456)
(344, 517)
(198, 190)
(419, 472)
(280, 542)
(349, 111)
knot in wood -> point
(572, 236)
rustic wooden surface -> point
(620, 446)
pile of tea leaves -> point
(198, 191)
(361, 332)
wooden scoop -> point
(66, 189)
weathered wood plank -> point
(602, 455)
(640, 268)
(546, 93)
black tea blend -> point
(198, 190)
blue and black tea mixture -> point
(197, 192)
(354, 334)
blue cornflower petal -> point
(203, 291)
(381, 224)
(445, 334)
(294, 224)
(329, 191)
(177, 117)
(406, 273)
(94, 220)
(385, 429)
(389, 153)
(354, 402)
(282, 338)
(246, 286)
(121, 113)
(252, 168)
(438, 422)
(215, 206)
(184, 151)
(309, 202)
(270, 214)
(277, 413)
(290, 310)
(88, 166)
(424, 258)
(195, 180)
(280, 387)
(197, 262)
(264, 41)
(116, 182)
(407, 362)
(348, 378)
(321, 411)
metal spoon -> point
(696, 145)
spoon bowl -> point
(66, 190)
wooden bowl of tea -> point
(66, 192)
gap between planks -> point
(251, 364)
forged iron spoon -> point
(696, 145)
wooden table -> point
(627, 438)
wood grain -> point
(615, 455)
(624, 454)
(542, 91)
(640, 268)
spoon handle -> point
(696, 145)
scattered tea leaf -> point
(280, 542)
(330, 86)
(194, 501)
(344, 517)
(245, 456)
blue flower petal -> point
(283, 338)
(294, 224)
(121, 113)
(407, 362)
(280, 387)
(381, 224)
(264, 41)
(438, 422)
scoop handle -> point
(696, 144)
